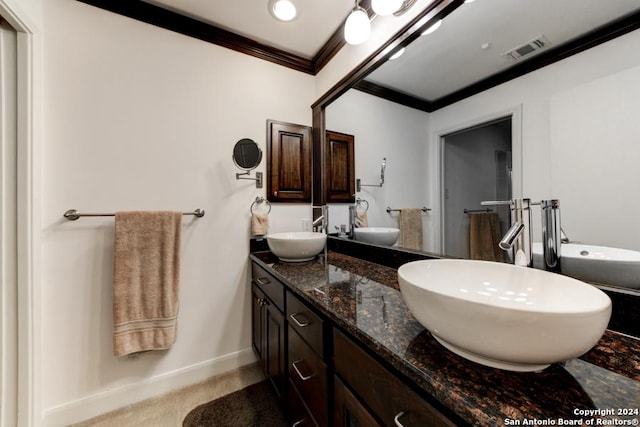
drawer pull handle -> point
(262, 281)
(297, 423)
(302, 377)
(301, 324)
(396, 419)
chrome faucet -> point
(323, 219)
(551, 234)
(352, 221)
(518, 237)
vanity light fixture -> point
(357, 28)
(385, 7)
(283, 10)
(432, 28)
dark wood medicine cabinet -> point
(289, 160)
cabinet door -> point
(348, 411)
(340, 168)
(274, 347)
(288, 162)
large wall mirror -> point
(566, 128)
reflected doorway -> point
(477, 166)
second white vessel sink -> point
(377, 235)
(504, 316)
(601, 264)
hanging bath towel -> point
(145, 281)
(411, 229)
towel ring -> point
(260, 200)
(359, 201)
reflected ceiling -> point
(471, 43)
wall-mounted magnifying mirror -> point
(247, 155)
(382, 169)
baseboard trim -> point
(107, 401)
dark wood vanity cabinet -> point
(269, 328)
(289, 174)
(323, 377)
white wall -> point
(611, 68)
(383, 129)
(137, 117)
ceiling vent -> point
(528, 48)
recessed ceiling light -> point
(283, 10)
(432, 28)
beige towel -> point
(259, 224)
(361, 219)
(411, 229)
(146, 273)
(484, 235)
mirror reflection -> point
(566, 131)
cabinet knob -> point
(275, 194)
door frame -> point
(515, 113)
(24, 252)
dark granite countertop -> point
(363, 298)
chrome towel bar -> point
(469, 211)
(73, 214)
(389, 210)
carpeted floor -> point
(253, 406)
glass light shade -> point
(432, 28)
(357, 29)
(283, 10)
(385, 7)
(398, 54)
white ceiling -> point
(317, 20)
(434, 65)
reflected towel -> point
(259, 224)
(411, 229)
(361, 219)
(484, 236)
(146, 272)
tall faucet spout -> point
(510, 236)
(551, 234)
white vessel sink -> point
(601, 264)
(502, 315)
(377, 235)
(296, 246)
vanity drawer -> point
(299, 415)
(309, 325)
(272, 288)
(308, 373)
(393, 402)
